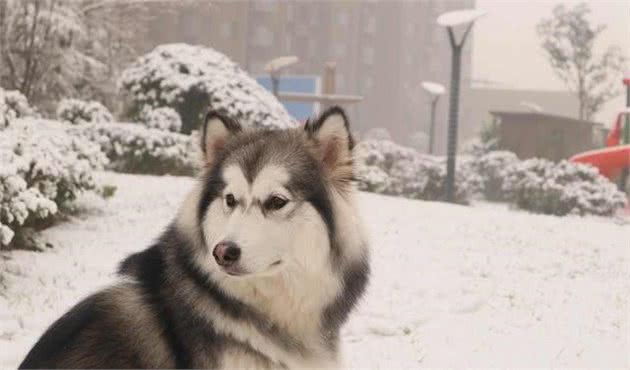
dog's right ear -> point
(217, 129)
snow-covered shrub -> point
(419, 140)
(13, 105)
(372, 178)
(382, 153)
(4, 111)
(18, 105)
(79, 112)
(133, 148)
(386, 167)
(541, 186)
(43, 170)
(192, 79)
(164, 118)
(377, 133)
(492, 167)
(424, 177)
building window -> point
(370, 25)
(263, 5)
(340, 82)
(226, 30)
(342, 19)
(368, 83)
(340, 50)
(263, 36)
(368, 55)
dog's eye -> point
(275, 202)
(230, 201)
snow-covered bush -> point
(13, 105)
(43, 170)
(424, 177)
(377, 133)
(539, 185)
(372, 178)
(164, 118)
(4, 111)
(419, 140)
(192, 79)
(492, 167)
(386, 167)
(133, 148)
(78, 112)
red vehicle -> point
(614, 160)
(616, 156)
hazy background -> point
(507, 50)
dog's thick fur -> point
(303, 266)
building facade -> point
(544, 135)
(382, 49)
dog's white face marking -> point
(273, 228)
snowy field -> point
(452, 286)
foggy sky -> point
(507, 50)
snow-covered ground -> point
(458, 286)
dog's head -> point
(267, 198)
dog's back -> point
(110, 329)
(120, 327)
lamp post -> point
(451, 20)
(275, 67)
(435, 90)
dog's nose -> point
(226, 253)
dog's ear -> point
(217, 129)
(332, 142)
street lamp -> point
(275, 66)
(451, 20)
(435, 90)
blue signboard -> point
(298, 84)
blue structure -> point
(296, 84)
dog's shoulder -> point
(62, 336)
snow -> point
(171, 72)
(433, 88)
(458, 17)
(481, 286)
(78, 112)
(164, 118)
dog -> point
(260, 268)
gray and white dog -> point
(260, 268)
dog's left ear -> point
(332, 141)
(217, 129)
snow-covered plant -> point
(17, 103)
(541, 186)
(13, 105)
(382, 153)
(78, 112)
(372, 178)
(377, 133)
(43, 170)
(4, 111)
(492, 167)
(386, 167)
(424, 177)
(164, 118)
(133, 148)
(192, 79)
(419, 140)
